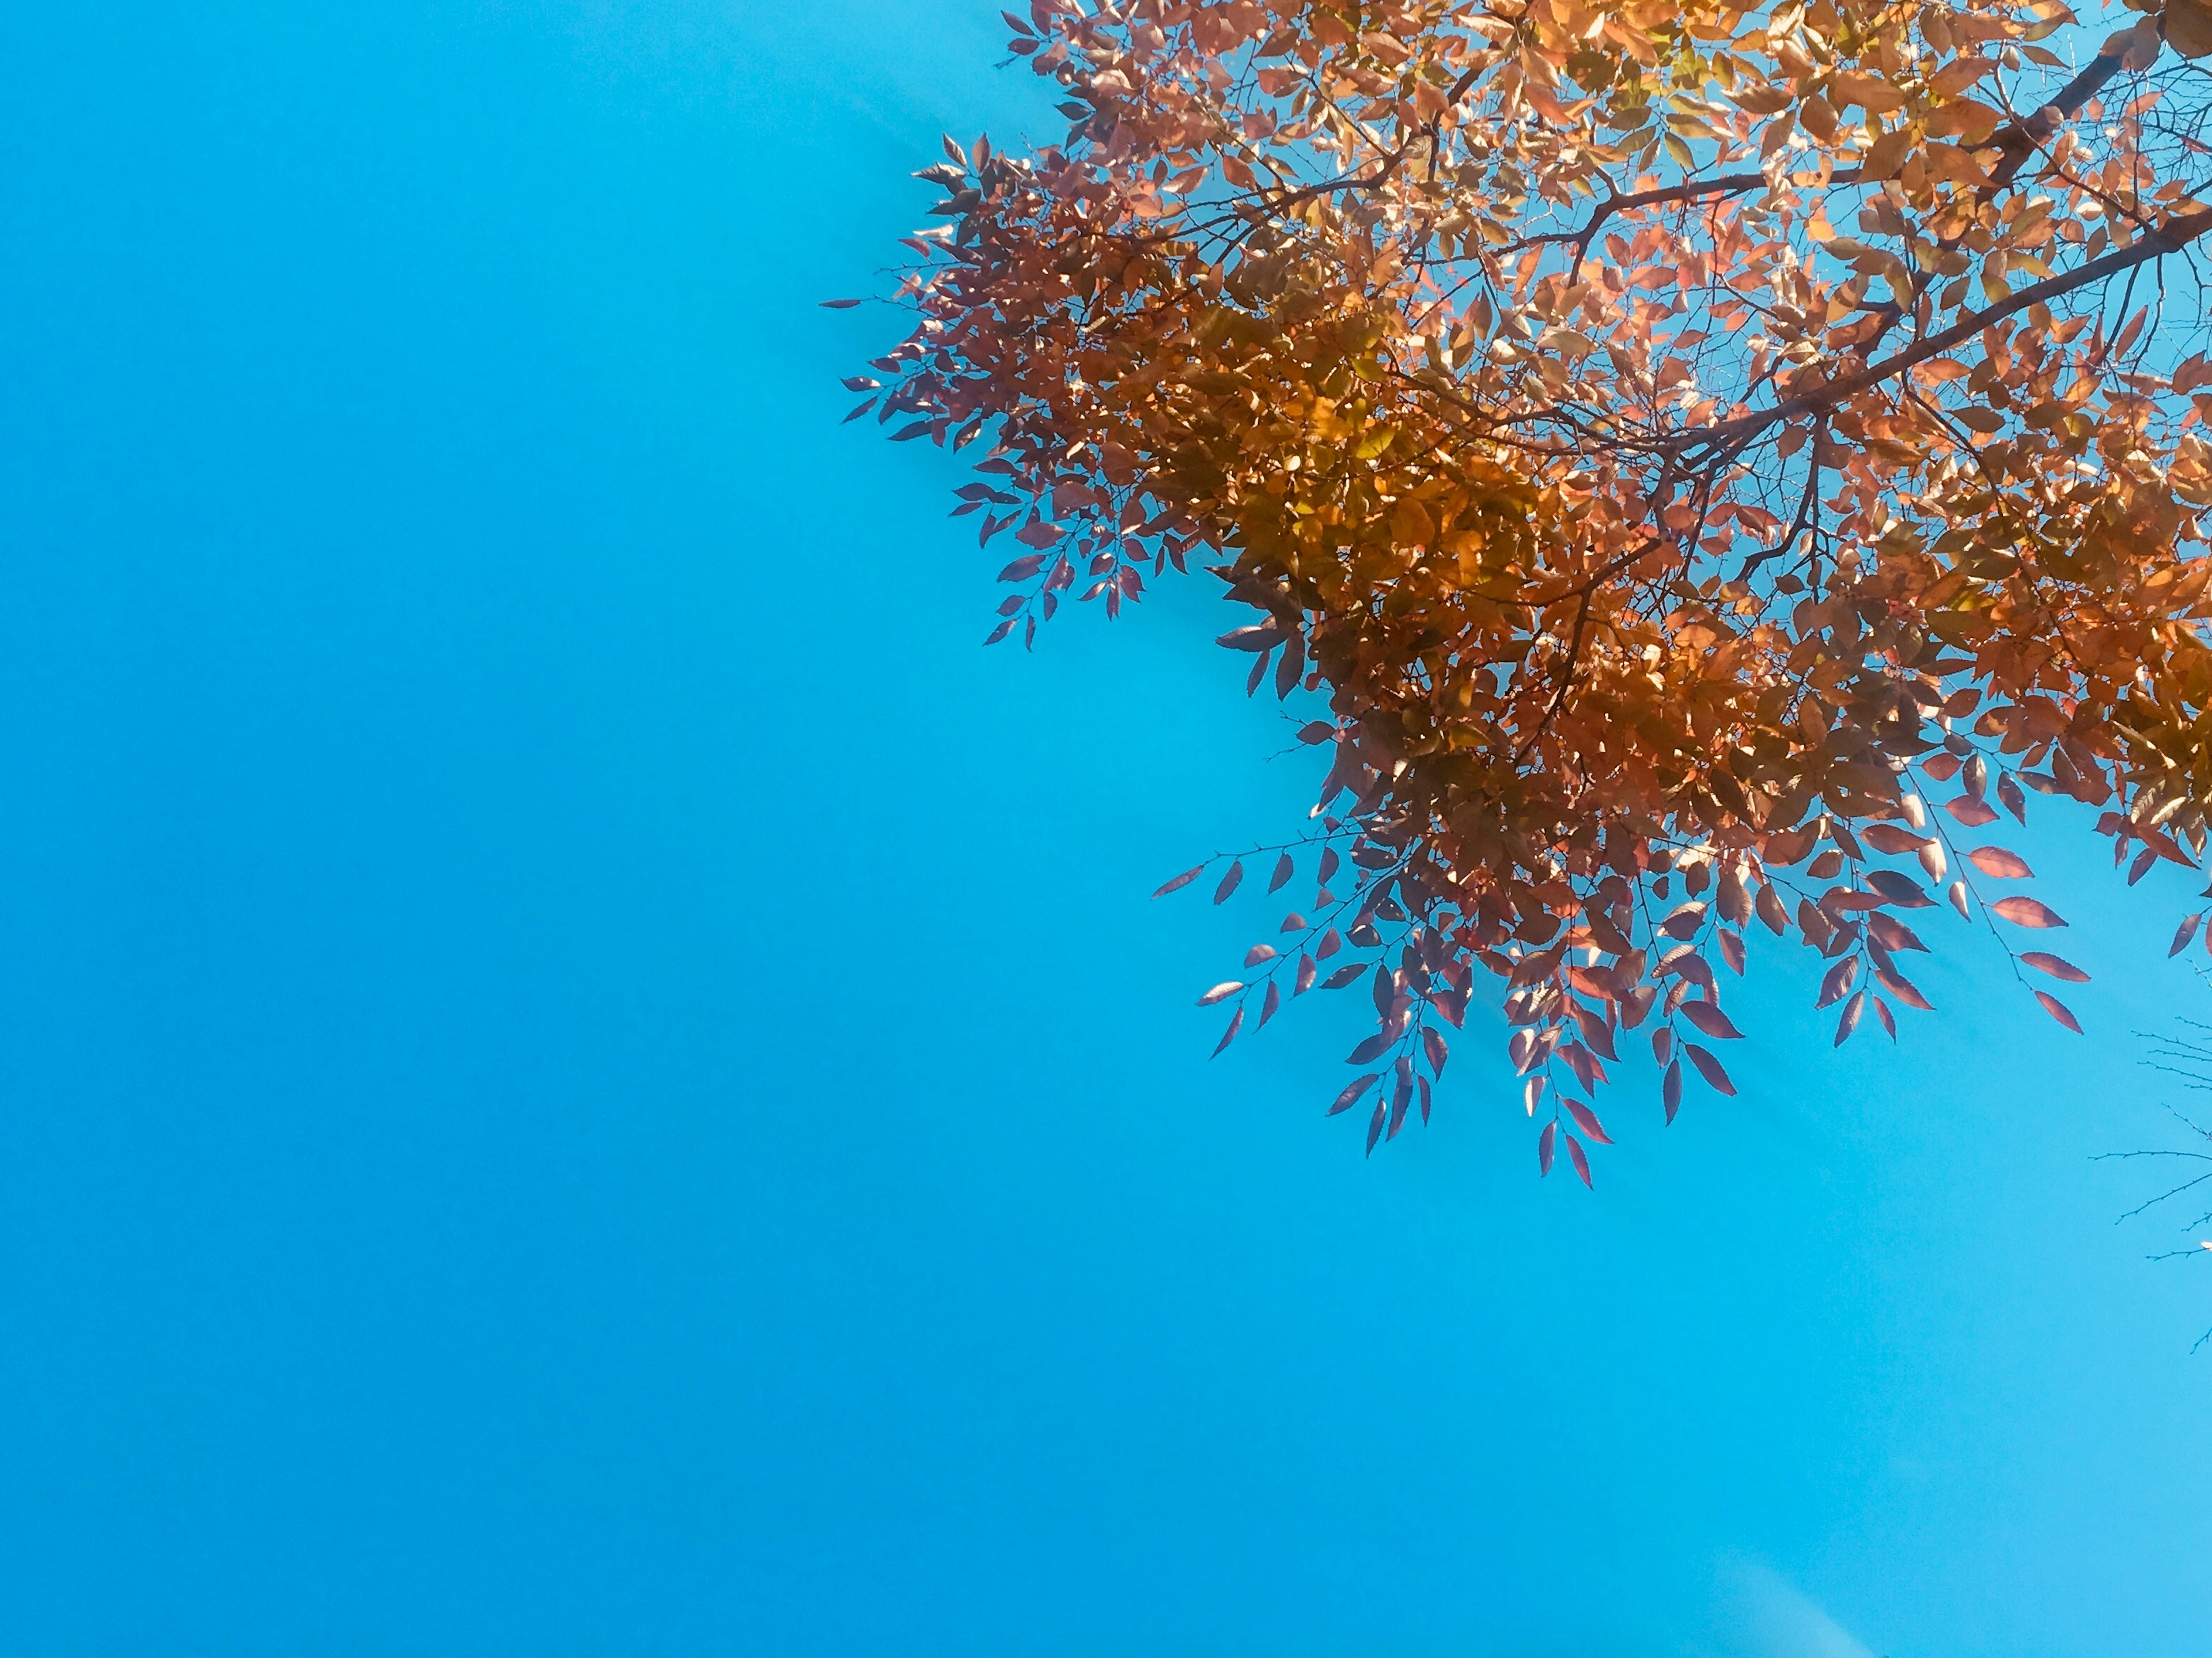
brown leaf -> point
(1180, 881)
(1710, 1068)
(1575, 1156)
(1709, 1019)
(2058, 1010)
(2024, 912)
(2057, 967)
(1849, 1021)
(1236, 1024)
(1996, 860)
(1352, 1091)
(1586, 1119)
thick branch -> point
(2169, 238)
(1728, 183)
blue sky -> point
(581, 1072)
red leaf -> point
(1221, 993)
(1258, 954)
(1545, 1142)
(1236, 1024)
(1375, 1125)
(1838, 982)
(1181, 881)
(1888, 1020)
(1229, 882)
(1709, 1067)
(1275, 1000)
(2187, 930)
(2026, 912)
(1996, 860)
(2056, 967)
(1304, 981)
(1368, 1049)
(1670, 1090)
(840, 305)
(1586, 1119)
(1350, 1098)
(2058, 1010)
(1581, 1163)
(1022, 567)
(1285, 866)
(1433, 1041)
(1317, 731)
(1850, 1022)
(1000, 631)
(1707, 1018)
(1970, 811)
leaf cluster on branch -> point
(1711, 457)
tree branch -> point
(2169, 238)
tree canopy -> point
(1713, 459)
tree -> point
(1681, 440)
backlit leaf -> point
(2026, 912)
(1586, 1119)
(1710, 1068)
(1352, 1091)
(1236, 1024)
(1709, 1019)
(2058, 1010)
(1580, 1160)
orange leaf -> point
(2026, 912)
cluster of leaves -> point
(1710, 456)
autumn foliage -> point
(1713, 459)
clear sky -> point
(581, 1072)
